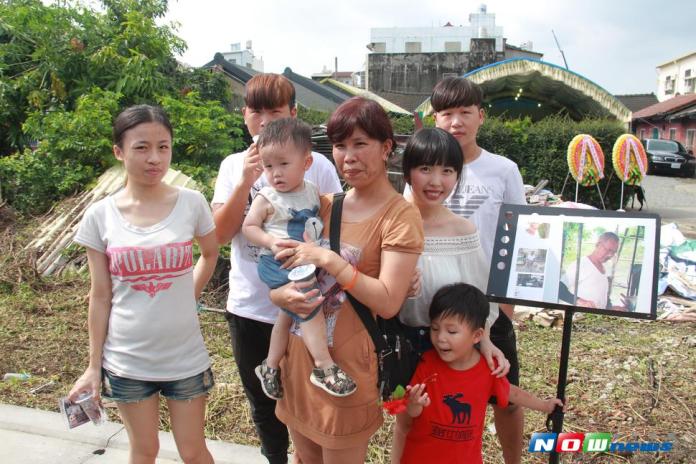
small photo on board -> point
(73, 413)
(531, 260)
(530, 280)
(538, 229)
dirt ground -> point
(633, 379)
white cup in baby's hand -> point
(305, 274)
(91, 407)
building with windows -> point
(676, 77)
(447, 38)
(244, 58)
(673, 119)
(405, 63)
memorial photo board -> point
(543, 254)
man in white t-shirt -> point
(250, 313)
(488, 180)
(591, 277)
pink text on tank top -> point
(147, 261)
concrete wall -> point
(432, 40)
(417, 73)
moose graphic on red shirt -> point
(461, 412)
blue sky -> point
(616, 44)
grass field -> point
(632, 379)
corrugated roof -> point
(355, 91)
(667, 106)
(308, 93)
(637, 102)
(239, 73)
(58, 230)
(311, 94)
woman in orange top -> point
(381, 239)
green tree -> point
(66, 70)
(204, 133)
(50, 55)
(74, 147)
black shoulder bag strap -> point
(363, 312)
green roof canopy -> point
(527, 87)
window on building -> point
(642, 134)
(669, 85)
(413, 47)
(689, 82)
(233, 61)
(379, 47)
(655, 133)
(673, 134)
(453, 46)
(690, 137)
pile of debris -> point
(57, 232)
(537, 195)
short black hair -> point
(432, 147)
(452, 92)
(282, 131)
(463, 301)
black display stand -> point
(504, 267)
(554, 422)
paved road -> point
(42, 437)
(674, 199)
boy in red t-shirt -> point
(451, 387)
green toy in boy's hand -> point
(397, 401)
(398, 393)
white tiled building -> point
(447, 38)
(676, 77)
(245, 58)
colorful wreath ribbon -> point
(585, 160)
(629, 159)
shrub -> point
(73, 148)
(540, 151)
(204, 133)
(312, 117)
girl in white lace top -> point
(432, 164)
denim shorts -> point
(124, 390)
